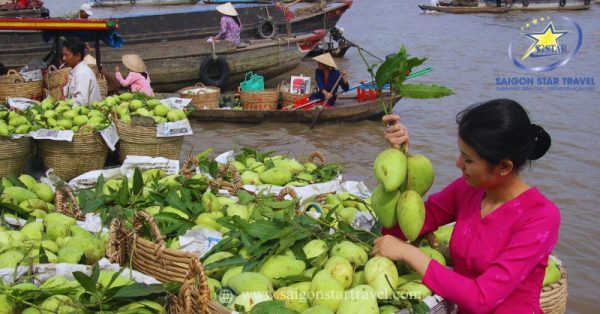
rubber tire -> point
(525, 3)
(562, 3)
(587, 2)
(208, 65)
(266, 23)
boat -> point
(171, 69)
(113, 3)
(335, 43)
(146, 27)
(522, 5)
(347, 108)
(34, 8)
(465, 9)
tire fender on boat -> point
(525, 3)
(214, 72)
(562, 3)
(266, 29)
(587, 2)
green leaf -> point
(391, 67)
(86, 282)
(244, 197)
(100, 185)
(423, 91)
(123, 194)
(226, 262)
(138, 181)
(137, 290)
(414, 62)
(95, 273)
(174, 200)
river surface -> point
(467, 53)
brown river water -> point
(467, 53)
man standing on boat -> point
(328, 79)
(231, 25)
(82, 86)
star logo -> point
(545, 39)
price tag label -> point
(55, 135)
(176, 102)
(171, 129)
(110, 136)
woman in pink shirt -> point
(504, 228)
(138, 79)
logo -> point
(544, 44)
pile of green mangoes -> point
(57, 294)
(258, 168)
(13, 122)
(65, 115)
(128, 104)
(34, 197)
(397, 199)
(56, 239)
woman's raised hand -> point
(395, 133)
(117, 69)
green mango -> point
(71, 255)
(315, 249)
(325, 290)
(216, 273)
(390, 168)
(433, 253)
(241, 211)
(230, 273)
(19, 194)
(351, 252)
(247, 300)
(376, 270)
(384, 205)
(250, 282)
(251, 178)
(411, 214)
(291, 165)
(276, 176)
(126, 96)
(318, 309)
(33, 204)
(12, 258)
(208, 220)
(210, 201)
(341, 270)
(360, 299)
(552, 273)
(28, 180)
(213, 286)
(388, 309)
(33, 230)
(43, 192)
(282, 266)
(7, 304)
(420, 174)
(414, 290)
(294, 296)
(359, 279)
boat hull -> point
(114, 3)
(347, 109)
(525, 5)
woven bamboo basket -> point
(102, 85)
(13, 155)
(153, 258)
(86, 152)
(10, 76)
(57, 79)
(15, 86)
(553, 298)
(67, 204)
(202, 101)
(287, 98)
(263, 100)
(138, 140)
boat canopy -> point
(87, 30)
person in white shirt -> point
(85, 11)
(82, 86)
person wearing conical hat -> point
(138, 80)
(326, 76)
(231, 25)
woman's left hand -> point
(117, 69)
(390, 247)
(344, 76)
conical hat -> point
(227, 9)
(326, 59)
(134, 63)
(89, 60)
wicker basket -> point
(15, 86)
(166, 265)
(102, 85)
(10, 76)
(202, 101)
(57, 79)
(86, 152)
(287, 98)
(263, 100)
(13, 155)
(142, 141)
(553, 298)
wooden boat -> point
(114, 3)
(34, 8)
(171, 69)
(464, 9)
(519, 5)
(146, 27)
(347, 108)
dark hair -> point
(3, 70)
(75, 45)
(500, 129)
